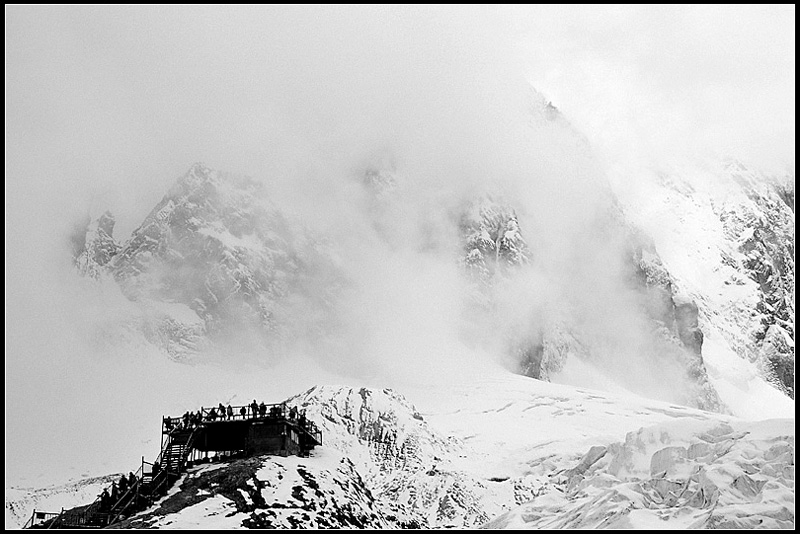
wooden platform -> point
(246, 431)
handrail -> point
(269, 411)
(93, 514)
(46, 516)
(55, 520)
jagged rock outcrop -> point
(405, 462)
(378, 427)
(214, 259)
(725, 233)
(99, 246)
(216, 245)
(760, 225)
(270, 492)
(493, 242)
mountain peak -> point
(199, 169)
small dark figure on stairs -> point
(131, 480)
(114, 493)
(123, 484)
(293, 413)
(262, 409)
(243, 412)
(156, 469)
(229, 411)
(168, 423)
(105, 501)
(254, 409)
(212, 415)
(186, 420)
(221, 411)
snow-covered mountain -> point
(501, 451)
(726, 235)
(217, 261)
(212, 259)
(678, 286)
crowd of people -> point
(110, 496)
(223, 412)
(109, 499)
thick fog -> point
(106, 107)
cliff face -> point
(97, 246)
(726, 235)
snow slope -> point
(725, 233)
(505, 451)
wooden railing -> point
(150, 484)
(262, 412)
(40, 517)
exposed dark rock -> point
(689, 332)
(99, 246)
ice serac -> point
(688, 475)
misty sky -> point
(107, 106)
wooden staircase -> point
(183, 437)
(148, 487)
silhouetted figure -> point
(254, 409)
(212, 415)
(123, 485)
(229, 412)
(293, 413)
(198, 418)
(186, 420)
(168, 423)
(303, 422)
(105, 501)
(131, 480)
(262, 409)
(221, 410)
(156, 469)
(243, 412)
(114, 493)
